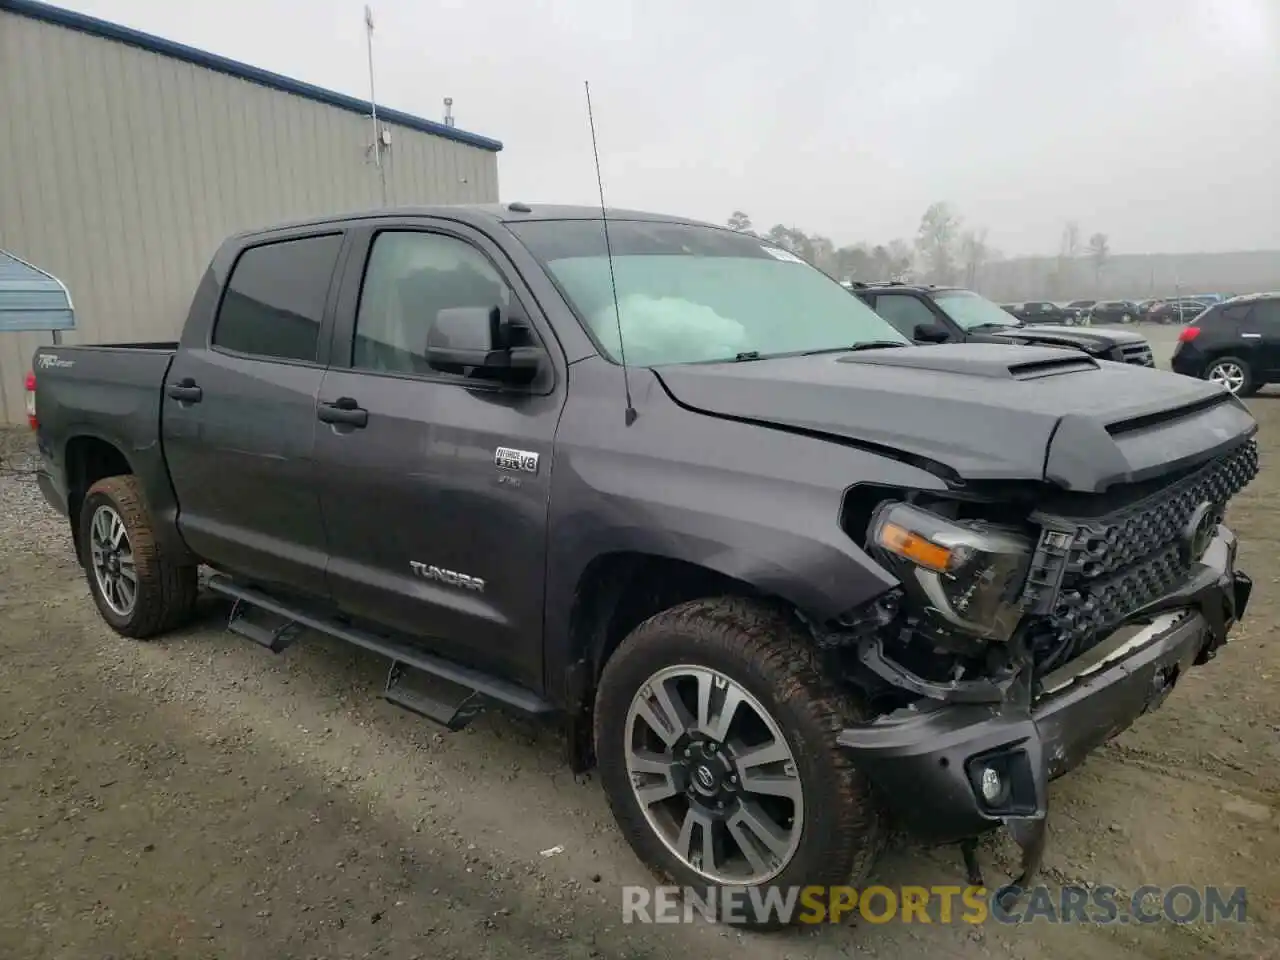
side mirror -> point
(486, 338)
(928, 334)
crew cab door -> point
(238, 417)
(432, 531)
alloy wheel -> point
(1229, 374)
(714, 775)
(112, 557)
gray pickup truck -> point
(778, 573)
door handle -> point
(1251, 336)
(345, 411)
(185, 390)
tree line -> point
(945, 250)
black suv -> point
(1235, 343)
(954, 315)
(1114, 311)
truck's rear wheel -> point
(716, 743)
(138, 590)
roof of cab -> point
(482, 213)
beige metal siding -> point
(122, 170)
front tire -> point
(1232, 373)
(715, 737)
(139, 591)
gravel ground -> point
(199, 797)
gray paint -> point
(124, 170)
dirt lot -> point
(200, 797)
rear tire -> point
(823, 824)
(139, 591)
(1232, 373)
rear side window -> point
(274, 301)
(1223, 315)
(1266, 313)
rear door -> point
(238, 418)
(431, 529)
(1263, 326)
(1228, 331)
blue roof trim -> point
(211, 61)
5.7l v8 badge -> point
(522, 461)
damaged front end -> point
(1026, 634)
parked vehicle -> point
(1082, 309)
(1071, 316)
(1114, 311)
(1235, 343)
(953, 315)
(1182, 310)
(1042, 311)
(778, 574)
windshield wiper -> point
(851, 348)
(746, 355)
(998, 326)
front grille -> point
(1137, 353)
(1089, 574)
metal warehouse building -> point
(125, 159)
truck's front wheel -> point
(139, 592)
(716, 743)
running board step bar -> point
(432, 686)
(427, 695)
(262, 626)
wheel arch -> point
(618, 591)
(88, 458)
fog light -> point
(993, 786)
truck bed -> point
(108, 392)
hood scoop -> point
(980, 360)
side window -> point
(409, 279)
(1266, 316)
(1234, 315)
(905, 313)
(274, 301)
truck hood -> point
(1090, 339)
(981, 411)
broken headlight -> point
(964, 573)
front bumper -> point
(927, 760)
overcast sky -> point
(1155, 121)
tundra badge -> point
(450, 577)
(506, 458)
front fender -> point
(757, 504)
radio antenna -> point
(608, 252)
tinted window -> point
(905, 313)
(410, 278)
(275, 299)
(1266, 314)
(1222, 315)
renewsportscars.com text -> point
(1095, 904)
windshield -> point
(688, 293)
(970, 310)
